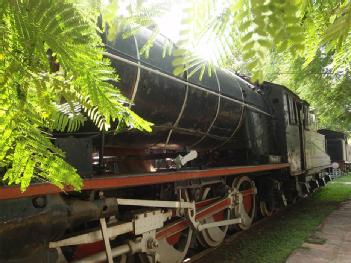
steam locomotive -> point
(338, 148)
(222, 152)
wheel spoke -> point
(247, 210)
(214, 236)
(174, 247)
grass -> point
(273, 240)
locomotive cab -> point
(299, 142)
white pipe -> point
(93, 236)
(101, 256)
(154, 203)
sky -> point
(170, 26)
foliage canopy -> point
(52, 78)
(303, 44)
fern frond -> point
(35, 99)
(67, 118)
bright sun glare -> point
(170, 26)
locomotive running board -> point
(120, 181)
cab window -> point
(306, 117)
(292, 110)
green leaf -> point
(177, 71)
